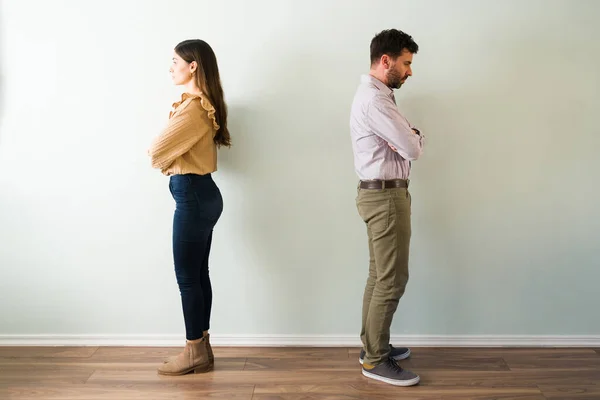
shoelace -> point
(394, 365)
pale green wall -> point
(505, 218)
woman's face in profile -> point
(181, 71)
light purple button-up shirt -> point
(374, 122)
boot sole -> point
(166, 360)
(195, 370)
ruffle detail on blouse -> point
(205, 103)
(211, 111)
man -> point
(384, 144)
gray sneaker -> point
(390, 372)
(397, 353)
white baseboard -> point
(306, 340)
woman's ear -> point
(193, 67)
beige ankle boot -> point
(193, 358)
(211, 356)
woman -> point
(186, 151)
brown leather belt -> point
(378, 184)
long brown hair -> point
(208, 81)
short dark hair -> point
(391, 42)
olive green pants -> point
(386, 213)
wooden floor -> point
(124, 373)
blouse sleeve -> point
(184, 129)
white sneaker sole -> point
(397, 358)
(394, 382)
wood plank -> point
(376, 396)
(571, 392)
(171, 391)
(338, 353)
(553, 360)
(466, 363)
(134, 354)
(521, 378)
(47, 352)
(43, 374)
(549, 352)
(377, 391)
(301, 364)
(107, 376)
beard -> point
(395, 79)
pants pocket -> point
(375, 210)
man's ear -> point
(386, 61)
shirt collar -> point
(380, 85)
(184, 97)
